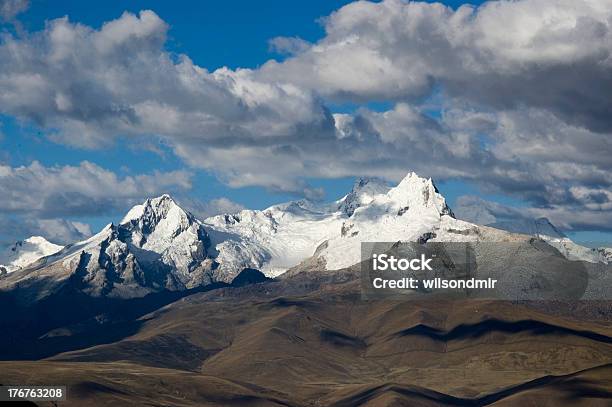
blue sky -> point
(213, 34)
(234, 34)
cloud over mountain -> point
(36, 198)
(78, 190)
(519, 92)
(57, 230)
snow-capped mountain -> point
(274, 239)
(161, 227)
(156, 246)
(413, 210)
(543, 229)
(363, 192)
(574, 251)
(25, 252)
(282, 236)
(160, 246)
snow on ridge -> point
(606, 254)
(159, 245)
(26, 252)
(407, 212)
(573, 251)
(544, 229)
(159, 204)
(281, 236)
(363, 192)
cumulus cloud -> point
(63, 231)
(86, 189)
(288, 45)
(9, 9)
(521, 91)
(552, 54)
(56, 230)
(92, 85)
(36, 199)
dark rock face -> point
(249, 276)
(425, 237)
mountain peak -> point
(412, 191)
(414, 179)
(546, 227)
(162, 202)
(25, 252)
(155, 209)
(162, 199)
(156, 246)
(363, 192)
(365, 182)
(541, 227)
(161, 226)
(37, 239)
(416, 191)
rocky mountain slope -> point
(156, 246)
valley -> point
(297, 343)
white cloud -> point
(9, 9)
(288, 45)
(552, 54)
(523, 87)
(36, 200)
(56, 230)
(86, 189)
(60, 230)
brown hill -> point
(309, 342)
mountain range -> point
(165, 309)
(160, 246)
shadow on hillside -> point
(472, 331)
(71, 320)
